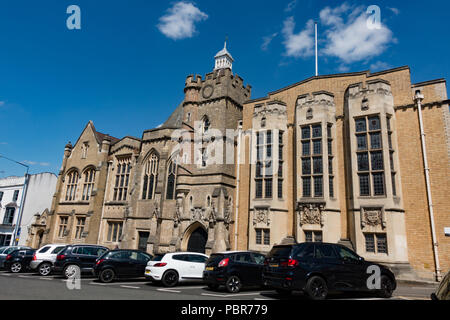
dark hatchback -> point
(320, 268)
(77, 259)
(121, 264)
(234, 270)
(19, 260)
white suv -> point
(173, 268)
(45, 257)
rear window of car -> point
(196, 258)
(158, 257)
(44, 249)
(214, 259)
(57, 250)
(280, 252)
(180, 257)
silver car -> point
(7, 250)
(45, 257)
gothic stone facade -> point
(333, 158)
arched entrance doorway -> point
(197, 241)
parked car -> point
(317, 268)
(234, 270)
(443, 291)
(8, 250)
(19, 260)
(77, 259)
(121, 264)
(173, 268)
(45, 257)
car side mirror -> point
(361, 259)
(434, 297)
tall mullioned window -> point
(312, 161)
(150, 177)
(122, 179)
(280, 164)
(370, 156)
(391, 155)
(81, 222)
(114, 231)
(71, 187)
(88, 187)
(264, 165)
(330, 160)
(171, 178)
(63, 222)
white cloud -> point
(395, 11)
(33, 163)
(380, 65)
(267, 40)
(291, 6)
(298, 44)
(351, 39)
(179, 22)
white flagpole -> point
(317, 60)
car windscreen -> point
(214, 259)
(280, 252)
(2, 249)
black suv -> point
(317, 268)
(234, 270)
(77, 259)
(19, 260)
(121, 264)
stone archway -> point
(195, 238)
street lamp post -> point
(22, 200)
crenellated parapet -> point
(315, 99)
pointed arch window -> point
(72, 183)
(206, 125)
(171, 179)
(150, 177)
(88, 184)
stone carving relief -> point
(178, 212)
(261, 216)
(228, 210)
(198, 214)
(372, 217)
(156, 211)
(311, 214)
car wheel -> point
(213, 286)
(72, 271)
(16, 267)
(107, 276)
(387, 287)
(316, 288)
(45, 269)
(282, 292)
(170, 278)
(233, 284)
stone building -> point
(334, 158)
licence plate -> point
(147, 271)
(209, 269)
(274, 265)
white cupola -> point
(223, 59)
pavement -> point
(29, 286)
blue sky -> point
(125, 68)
